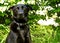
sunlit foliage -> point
(44, 20)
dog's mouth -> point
(20, 16)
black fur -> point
(19, 29)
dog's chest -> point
(21, 27)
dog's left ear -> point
(11, 7)
(29, 7)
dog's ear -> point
(11, 7)
(29, 7)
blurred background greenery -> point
(44, 20)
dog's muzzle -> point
(20, 16)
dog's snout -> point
(20, 12)
(20, 15)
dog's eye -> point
(22, 7)
(17, 7)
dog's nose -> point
(20, 12)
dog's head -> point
(20, 11)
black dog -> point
(19, 29)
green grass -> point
(3, 33)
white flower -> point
(21, 2)
(48, 7)
(5, 3)
(31, 2)
(1, 1)
(48, 22)
(51, 21)
(3, 8)
(44, 12)
(40, 22)
(58, 4)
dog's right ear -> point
(11, 7)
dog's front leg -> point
(28, 38)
